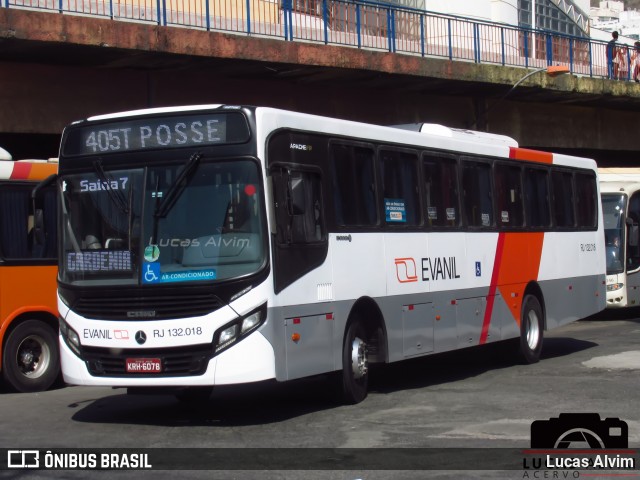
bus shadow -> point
(239, 405)
(270, 402)
(630, 314)
(7, 389)
(458, 365)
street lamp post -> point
(552, 71)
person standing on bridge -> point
(612, 56)
(623, 62)
(635, 61)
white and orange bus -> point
(620, 190)
(29, 357)
(211, 245)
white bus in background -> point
(212, 245)
(620, 190)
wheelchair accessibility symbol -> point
(151, 272)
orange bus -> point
(29, 359)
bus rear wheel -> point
(31, 361)
(355, 364)
(531, 330)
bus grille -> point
(147, 308)
(184, 361)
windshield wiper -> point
(116, 196)
(177, 187)
(173, 193)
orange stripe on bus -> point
(492, 290)
(530, 155)
(517, 263)
(40, 171)
(520, 264)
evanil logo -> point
(431, 268)
(406, 270)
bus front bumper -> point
(250, 360)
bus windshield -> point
(613, 207)
(192, 221)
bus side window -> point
(353, 185)
(440, 185)
(536, 189)
(476, 191)
(305, 206)
(299, 207)
(402, 203)
(14, 221)
(508, 183)
(562, 190)
(586, 201)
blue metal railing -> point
(361, 24)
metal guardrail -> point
(362, 24)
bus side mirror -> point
(632, 233)
(39, 234)
(38, 228)
(297, 204)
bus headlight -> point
(227, 336)
(251, 322)
(70, 336)
(614, 286)
(233, 332)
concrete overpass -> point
(58, 68)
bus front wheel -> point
(531, 330)
(31, 361)
(355, 364)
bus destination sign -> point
(156, 132)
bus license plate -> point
(143, 365)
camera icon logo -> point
(579, 431)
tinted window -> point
(306, 211)
(401, 201)
(476, 191)
(586, 201)
(536, 194)
(17, 222)
(441, 191)
(562, 189)
(508, 195)
(353, 184)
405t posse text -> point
(150, 136)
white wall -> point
(605, 36)
(584, 5)
(504, 11)
(480, 9)
(501, 11)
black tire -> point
(355, 365)
(31, 359)
(194, 395)
(531, 330)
